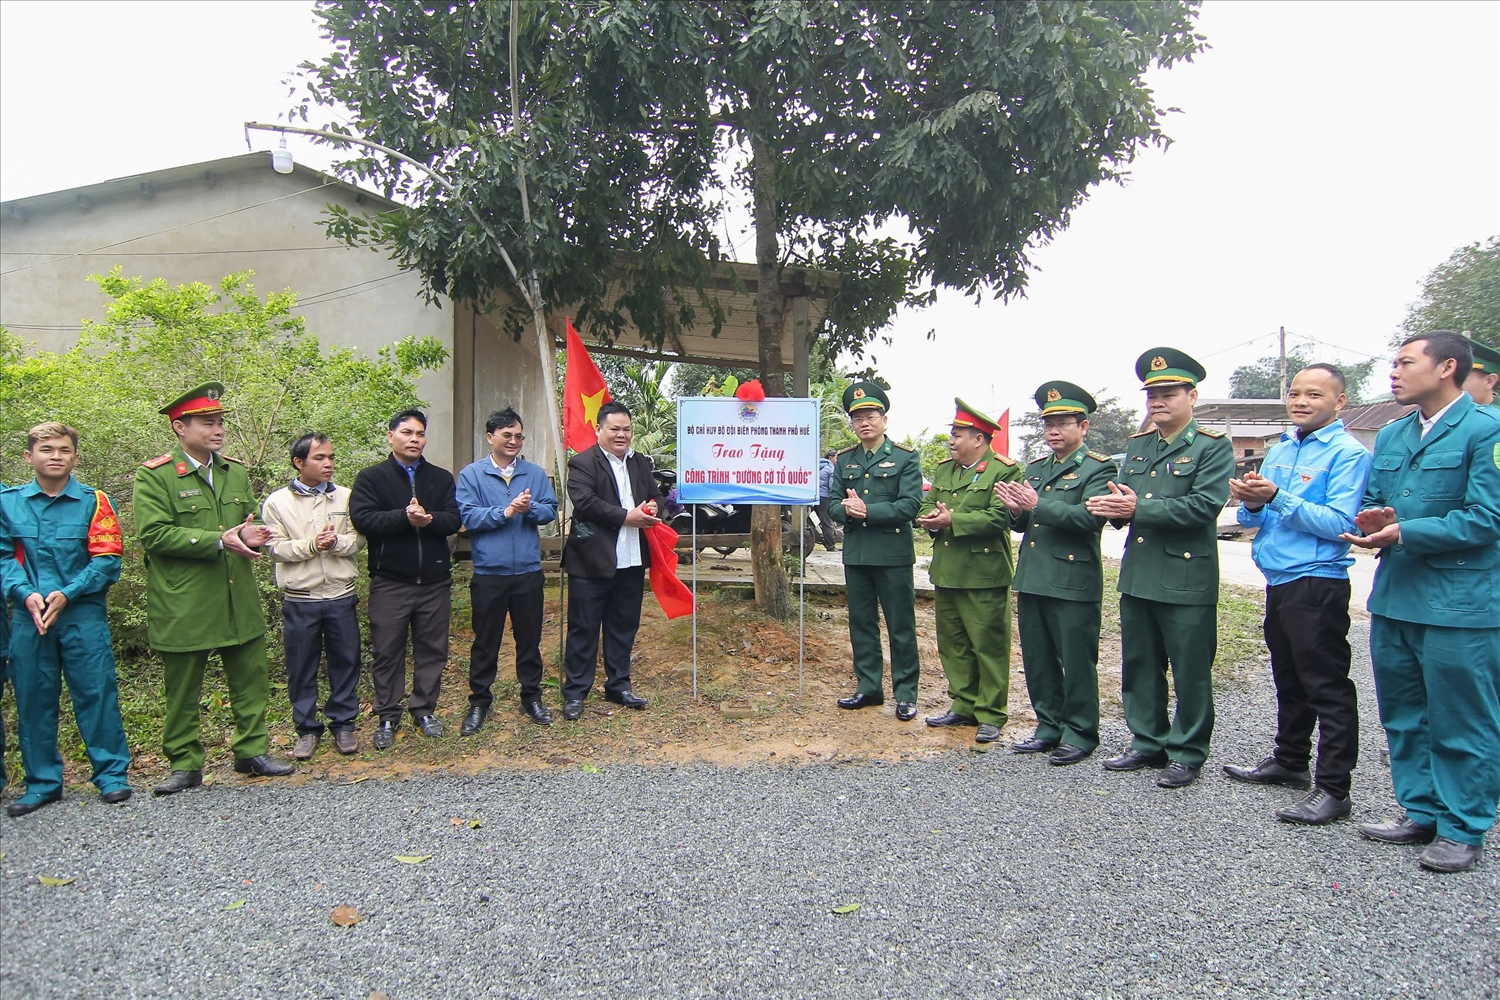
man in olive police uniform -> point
(971, 570)
(1171, 491)
(877, 493)
(194, 515)
(1484, 375)
(1061, 576)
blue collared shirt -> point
(1320, 484)
(52, 535)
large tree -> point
(905, 145)
(1262, 379)
(1110, 427)
(1462, 293)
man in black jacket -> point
(614, 496)
(406, 508)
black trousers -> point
(314, 630)
(615, 604)
(1307, 632)
(493, 598)
(825, 523)
(399, 611)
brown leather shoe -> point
(306, 746)
(346, 742)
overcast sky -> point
(1327, 156)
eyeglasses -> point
(863, 418)
(511, 437)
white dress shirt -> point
(1427, 424)
(628, 545)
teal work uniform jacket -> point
(50, 535)
(1060, 548)
(889, 481)
(1445, 489)
(974, 552)
(198, 596)
(1181, 486)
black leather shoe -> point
(22, 806)
(906, 710)
(178, 781)
(861, 700)
(1270, 772)
(1066, 753)
(385, 734)
(473, 719)
(628, 698)
(429, 726)
(572, 710)
(536, 711)
(1034, 744)
(986, 733)
(263, 765)
(1315, 808)
(1134, 760)
(1177, 775)
(951, 719)
(1446, 855)
(116, 795)
(1398, 831)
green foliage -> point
(933, 449)
(1262, 380)
(158, 341)
(1462, 293)
(1110, 427)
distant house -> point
(202, 221)
(1364, 422)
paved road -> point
(977, 876)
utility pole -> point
(1282, 336)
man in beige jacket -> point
(313, 546)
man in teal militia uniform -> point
(878, 491)
(1484, 375)
(1060, 577)
(60, 549)
(1432, 510)
(1171, 491)
(194, 514)
(972, 566)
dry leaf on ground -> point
(345, 915)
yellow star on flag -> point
(591, 405)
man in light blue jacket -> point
(503, 499)
(1306, 496)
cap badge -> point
(1158, 364)
(859, 394)
(1053, 395)
(212, 393)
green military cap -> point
(197, 400)
(1486, 358)
(1064, 397)
(1168, 366)
(863, 395)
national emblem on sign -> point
(1053, 395)
(1158, 364)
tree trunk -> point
(773, 589)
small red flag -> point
(1000, 440)
(584, 392)
(671, 593)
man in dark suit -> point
(614, 496)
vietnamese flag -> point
(671, 593)
(1000, 440)
(584, 392)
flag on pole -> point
(583, 393)
(1000, 440)
(671, 593)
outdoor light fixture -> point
(281, 158)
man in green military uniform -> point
(195, 514)
(1173, 486)
(1061, 576)
(971, 570)
(1485, 373)
(878, 491)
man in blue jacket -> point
(60, 549)
(503, 499)
(1432, 509)
(1305, 497)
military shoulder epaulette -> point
(847, 451)
(231, 458)
(158, 461)
(946, 461)
(898, 447)
(1210, 432)
(1098, 457)
(1005, 459)
(1141, 434)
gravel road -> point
(982, 876)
